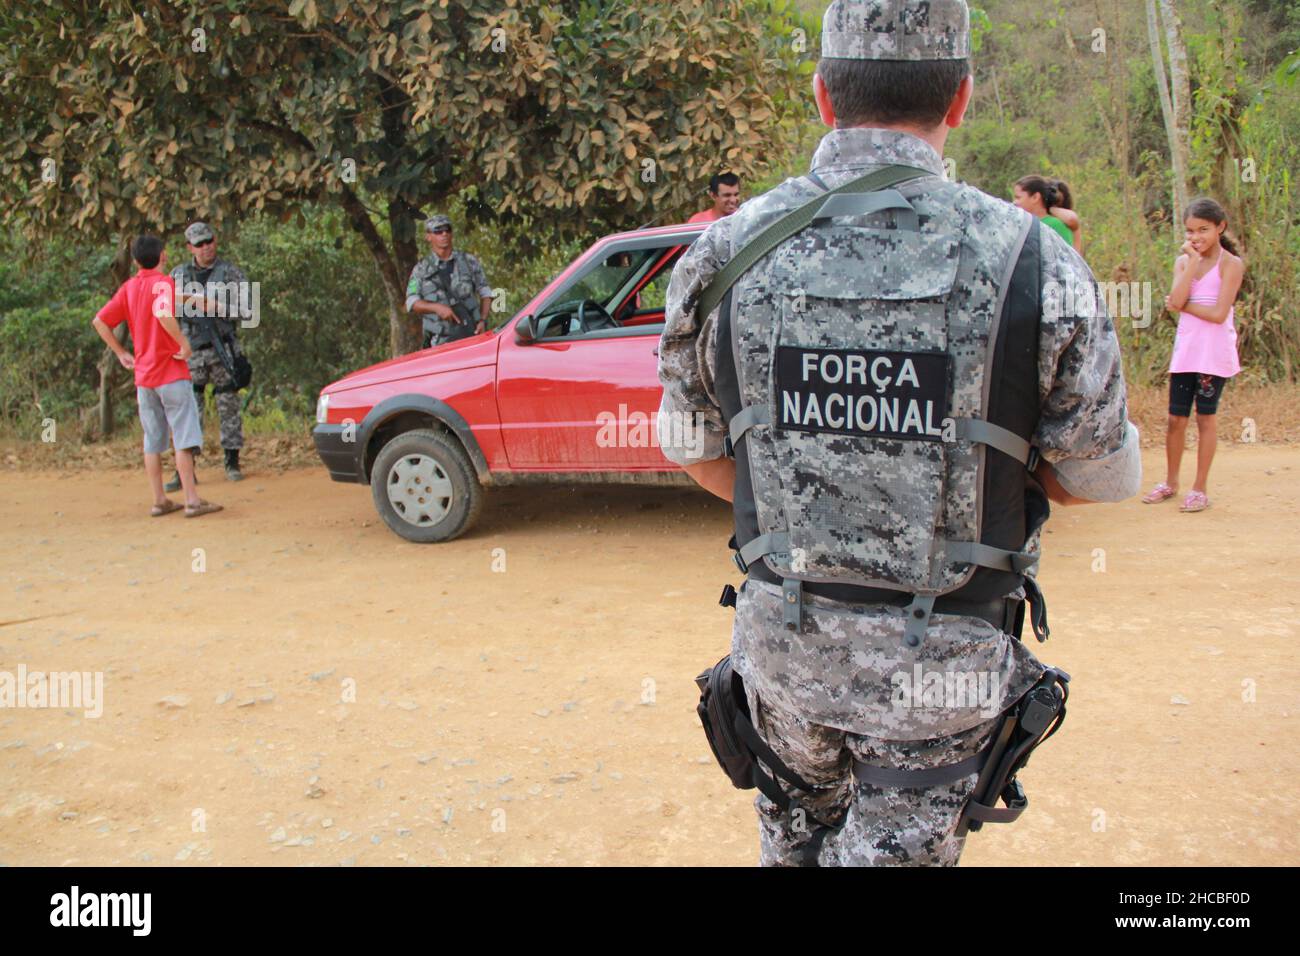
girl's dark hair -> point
(1054, 191)
(1209, 210)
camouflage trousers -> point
(205, 368)
(833, 692)
(867, 825)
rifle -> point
(463, 314)
(238, 366)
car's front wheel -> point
(424, 487)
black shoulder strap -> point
(1013, 404)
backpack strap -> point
(792, 222)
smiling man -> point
(724, 190)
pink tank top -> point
(1208, 348)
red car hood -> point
(466, 353)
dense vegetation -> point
(1046, 102)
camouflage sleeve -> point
(690, 419)
(413, 288)
(479, 277)
(1083, 431)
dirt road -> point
(322, 692)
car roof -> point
(683, 229)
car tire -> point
(424, 487)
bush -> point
(323, 312)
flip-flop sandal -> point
(1195, 501)
(203, 508)
(157, 511)
(1161, 492)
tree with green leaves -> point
(121, 117)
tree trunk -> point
(403, 333)
(1162, 87)
(108, 367)
(1119, 93)
(1181, 94)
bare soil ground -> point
(326, 693)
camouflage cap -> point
(436, 222)
(199, 232)
(896, 30)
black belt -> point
(1004, 613)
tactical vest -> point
(877, 373)
(200, 330)
(465, 303)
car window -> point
(611, 276)
(654, 293)
(621, 291)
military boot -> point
(232, 465)
(175, 483)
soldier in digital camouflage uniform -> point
(827, 697)
(213, 296)
(448, 289)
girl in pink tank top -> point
(1207, 278)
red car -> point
(567, 390)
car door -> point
(575, 401)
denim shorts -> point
(170, 409)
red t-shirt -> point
(708, 215)
(134, 303)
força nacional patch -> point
(874, 394)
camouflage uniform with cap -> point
(828, 696)
(227, 286)
(459, 282)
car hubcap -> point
(419, 490)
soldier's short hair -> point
(146, 250)
(919, 92)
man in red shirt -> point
(145, 302)
(725, 190)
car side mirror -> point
(526, 330)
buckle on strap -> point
(774, 543)
(987, 556)
(792, 604)
(1037, 609)
(745, 419)
(995, 436)
(918, 619)
(864, 204)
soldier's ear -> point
(957, 109)
(823, 101)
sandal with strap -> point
(203, 508)
(157, 511)
(1161, 492)
(1195, 501)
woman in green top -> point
(1050, 201)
